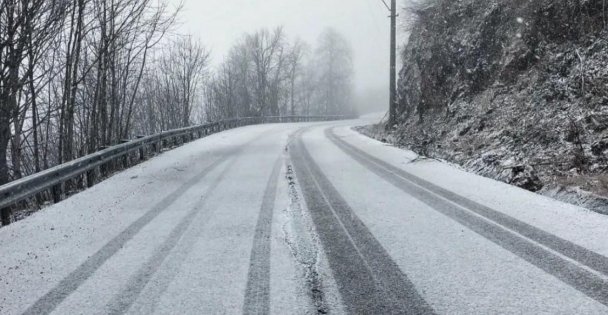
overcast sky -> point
(219, 23)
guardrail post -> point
(91, 177)
(5, 216)
(125, 158)
(104, 168)
(142, 150)
(57, 191)
(155, 147)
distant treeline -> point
(266, 74)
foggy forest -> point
(79, 76)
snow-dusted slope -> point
(235, 223)
(513, 90)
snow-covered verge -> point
(573, 223)
(570, 193)
(512, 90)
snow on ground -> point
(40, 251)
(179, 237)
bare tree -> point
(267, 75)
(267, 52)
(295, 61)
(334, 64)
(70, 76)
(175, 89)
(26, 28)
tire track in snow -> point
(166, 257)
(48, 302)
(138, 282)
(257, 292)
(369, 281)
(582, 269)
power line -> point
(386, 5)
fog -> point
(365, 23)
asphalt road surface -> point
(303, 219)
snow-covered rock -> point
(502, 85)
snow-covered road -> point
(303, 219)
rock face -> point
(513, 89)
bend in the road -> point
(369, 281)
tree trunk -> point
(16, 149)
(5, 136)
(293, 83)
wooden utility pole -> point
(393, 75)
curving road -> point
(303, 219)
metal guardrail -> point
(90, 165)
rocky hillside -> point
(512, 89)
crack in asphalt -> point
(303, 245)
